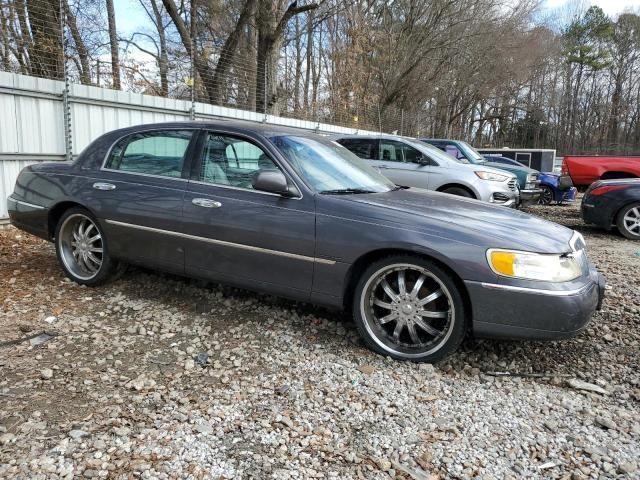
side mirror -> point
(422, 160)
(273, 181)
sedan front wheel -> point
(410, 309)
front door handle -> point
(104, 186)
(206, 203)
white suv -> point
(416, 164)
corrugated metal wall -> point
(32, 120)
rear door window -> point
(395, 151)
(160, 153)
(362, 147)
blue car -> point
(555, 188)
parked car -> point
(415, 164)
(295, 214)
(614, 203)
(556, 188)
(584, 170)
(527, 177)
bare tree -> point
(113, 42)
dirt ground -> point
(117, 389)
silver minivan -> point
(416, 164)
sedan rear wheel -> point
(410, 309)
(628, 221)
(81, 248)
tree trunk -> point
(297, 75)
(83, 55)
(251, 75)
(113, 41)
(614, 116)
(227, 54)
(45, 53)
(163, 58)
(201, 63)
(310, 58)
(271, 27)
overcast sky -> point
(611, 7)
(129, 14)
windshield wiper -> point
(346, 191)
(399, 187)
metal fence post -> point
(66, 107)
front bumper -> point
(502, 311)
(499, 193)
(530, 196)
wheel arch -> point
(56, 212)
(359, 266)
(442, 188)
(618, 211)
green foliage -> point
(586, 40)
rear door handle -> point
(206, 203)
(104, 186)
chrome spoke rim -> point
(81, 246)
(408, 309)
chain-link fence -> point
(170, 49)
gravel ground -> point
(156, 376)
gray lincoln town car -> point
(295, 214)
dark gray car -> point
(297, 215)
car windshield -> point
(471, 153)
(328, 167)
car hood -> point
(520, 172)
(484, 167)
(457, 217)
(510, 168)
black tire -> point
(75, 268)
(624, 221)
(546, 197)
(459, 191)
(445, 311)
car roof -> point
(264, 129)
(380, 136)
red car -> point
(584, 170)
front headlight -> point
(494, 177)
(536, 266)
(532, 177)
